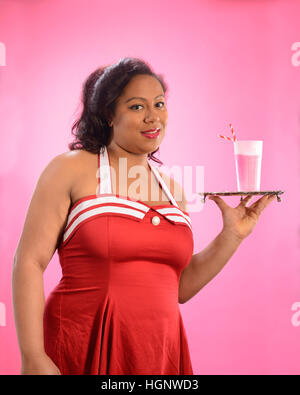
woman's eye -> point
(139, 105)
(136, 105)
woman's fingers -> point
(262, 203)
(220, 202)
(257, 206)
(245, 200)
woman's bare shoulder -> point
(69, 159)
(74, 155)
(66, 166)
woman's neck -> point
(116, 152)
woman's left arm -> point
(238, 223)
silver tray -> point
(227, 193)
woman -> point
(127, 259)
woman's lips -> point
(151, 134)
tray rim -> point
(242, 193)
(279, 192)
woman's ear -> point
(108, 117)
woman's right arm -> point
(43, 227)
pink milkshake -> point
(248, 156)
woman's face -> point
(141, 107)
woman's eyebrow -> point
(142, 98)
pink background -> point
(224, 61)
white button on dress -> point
(155, 220)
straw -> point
(232, 131)
(225, 137)
(233, 138)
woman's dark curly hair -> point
(99, 95)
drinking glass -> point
(248, 158)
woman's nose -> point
(152, 115)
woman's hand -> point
(241, 220)
(39, 364)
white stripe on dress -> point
(105, 199)
(173, 210)
(178, 218)
(103, 209)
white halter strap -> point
(105, 178)
(163, 184)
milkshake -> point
(248, 158)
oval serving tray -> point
(227, 193)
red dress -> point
(115, 309)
